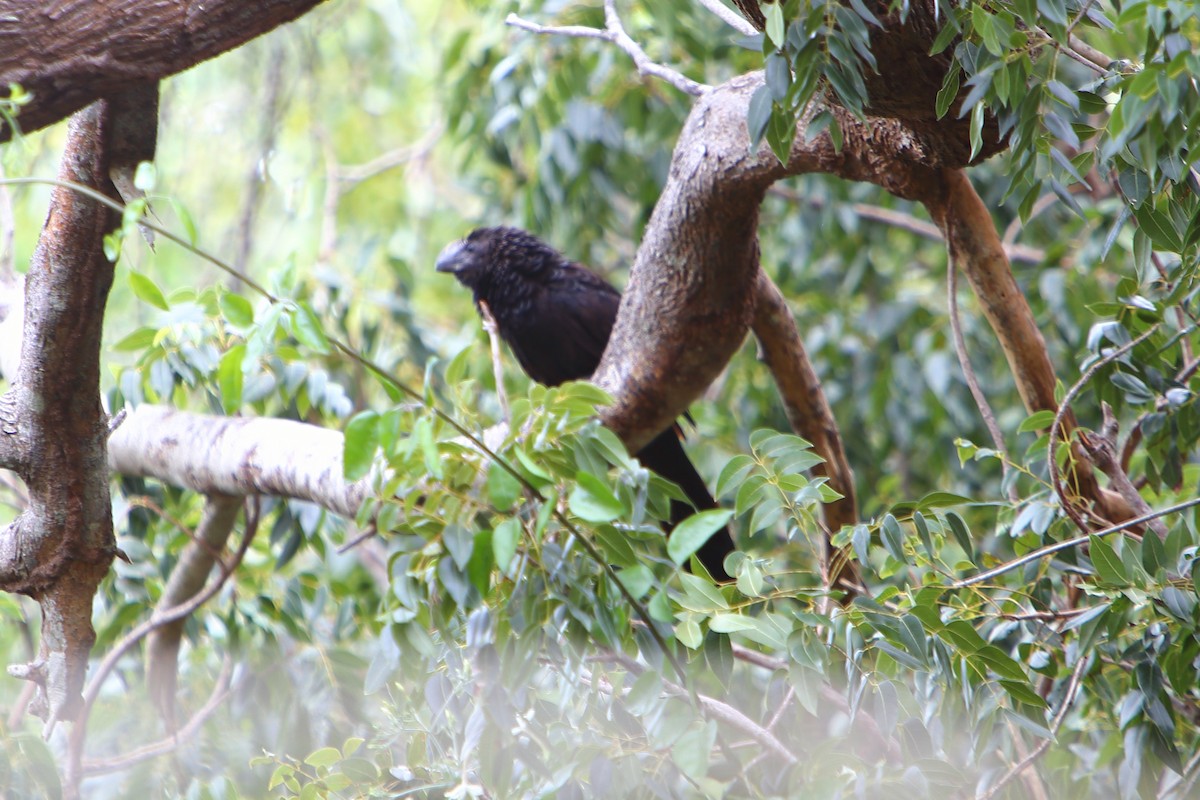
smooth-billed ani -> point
(557, 315)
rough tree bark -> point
(241, 456)
(69, 53)
(695, 272)
(810, 415)
(55, 431)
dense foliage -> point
(520, 626)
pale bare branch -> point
(614, 32)
(729, 17)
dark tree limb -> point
(72, 52)
(55, 431)
(810, 416)
(691, 294)
(186, 581)
(975, 247)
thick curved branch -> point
(810, 416)
(241, 456)
(186, 581)
(693, 281)
(59, 549)
(69, 54)
(975, 247)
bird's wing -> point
(567, 329)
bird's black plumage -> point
(557, 315)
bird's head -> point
(486, 254)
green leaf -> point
(1108, 564)
(941, 500)
(775, 27)
(949, 90)
(1001, 663)
(281, 774)
(861, 540)
(691, 534)
(479, 565)
(1037, 421)
(730, 623)
(961, 535)
(700, 594)
(688, 633)
(923, 532)
(893, 537)
(733, 473)
(237, 309)
(637, 580)
(591, 500)
(503, 489)
(758, 115)
(147, 291)
(141, 339)
(359, 444)
(459, 542)
(505, 539)
(230, 378)
(325, 757)
(976, 130)
(307, 329)
(1022, 693)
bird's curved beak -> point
(449, 259)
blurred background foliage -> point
(473, 645)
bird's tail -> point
(665, 455)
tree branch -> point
(730, 18)
(614, 32)
(243, 456)
(927, 230)
(975, 247)
(68, 55)
(697, 266)
(186, 581)
(59, 549)
(810, 416)
(161, 617)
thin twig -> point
(367, 533)
(418, 151)
(1051, 458)
(271, 111)
(1051, 549)
(220, 693)
(1044, 744)
(157, 620)
(964, 360)
(1016, 252)
(613, 31)
(716, 710)
(730, 17)
(493, 332)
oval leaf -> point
(691, 534)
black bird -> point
(557, 315)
